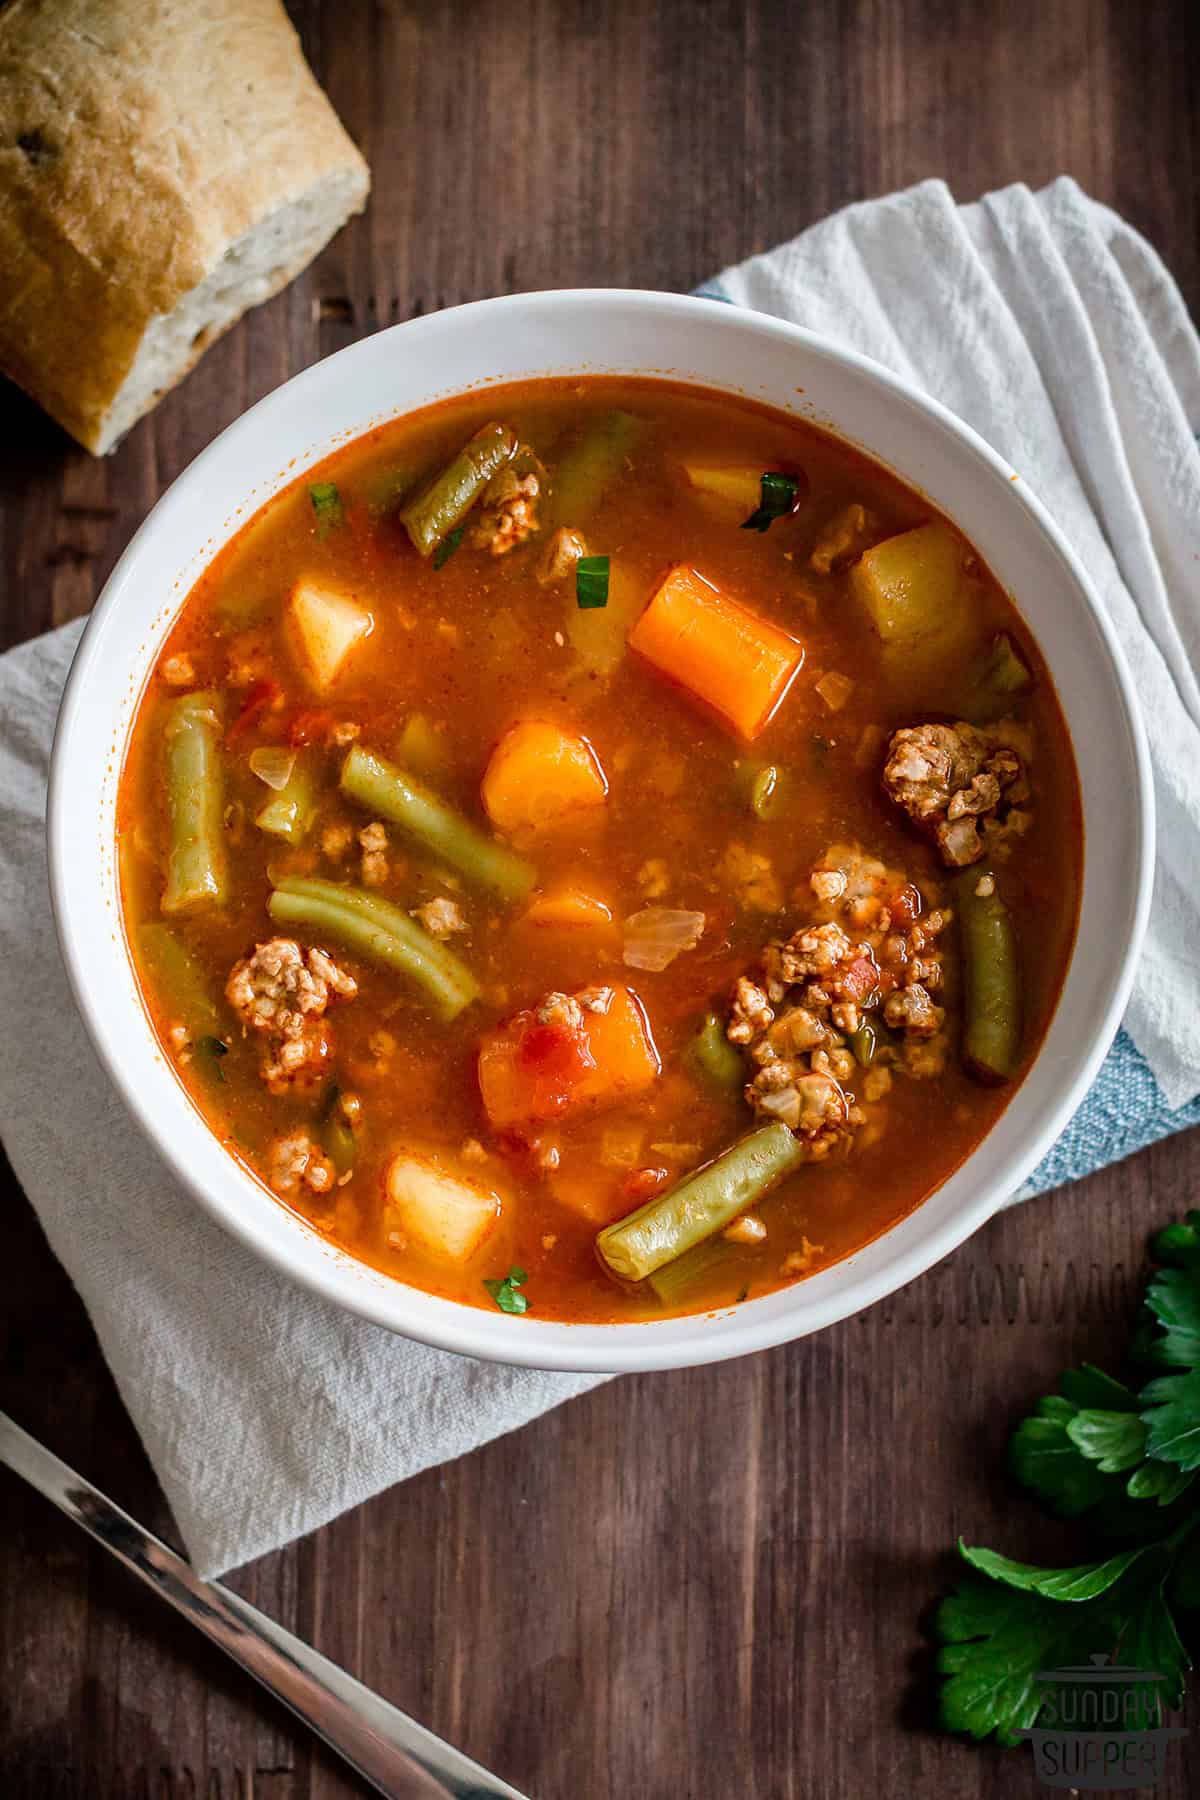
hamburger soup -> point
(599, 848)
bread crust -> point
(139, 141)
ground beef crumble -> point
(868, 958)
(440, 917)
(281, 993)
(964, 786)
(509, 513)
(296, 1162)
(561, 554)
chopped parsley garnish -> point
(327, 504)
(777, 497)
(448, 546)
(1123, 1461)
(505, 1293)
(591, 581)
(213, 1049)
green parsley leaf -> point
(1172, 1416)
(997, 1640)
(1150, 1641)
(777, 498)
(1159, 1481)
(448, 546)
(327, 504)
(1045, 1455)
(1083, 1582)
(591, 581)
(1074, 1448)
(1112, 1440)
(505, 1294)
(1128, 1461)
(1174, 1299)
(1178, 1245)
(1042, 1456)
(212, 1049)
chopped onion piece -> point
(273, 763)
(835, 690)
(656, 935)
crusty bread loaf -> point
(164, 164)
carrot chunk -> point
(530, 1070)
(569, 906)
(539, 775)
(597, 1195)
(738, 664)
(624, 1053)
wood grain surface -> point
(707, 1584)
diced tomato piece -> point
(906, 905)
(555, 1059)
(530, 1071)
(261, 696)
(860, 979)
(640, 1184)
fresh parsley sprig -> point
(1124, 1462)
(507, 1294)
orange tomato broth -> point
(477, 646)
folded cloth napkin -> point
(1056, 331)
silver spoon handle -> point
(391, 1751)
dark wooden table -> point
(708, 1584)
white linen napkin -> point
(1055, 330)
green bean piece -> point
(586, 469)
(196, 861)
(712, 1058)
(433, 513)
(176, 973)
(991, 980)
(337, 1133)
(699, 1206)
(675, 1280)
(996, 680)
(327, 505)
(391, 793)
(289, 813)
(380, 931)
(765, 792)
(863, 1043)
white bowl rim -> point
(557, 1345)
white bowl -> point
(601, 332)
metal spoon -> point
(387, 1748)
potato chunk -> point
(911, 585)
(740, 487)
(444, 1215)
(325, 627)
